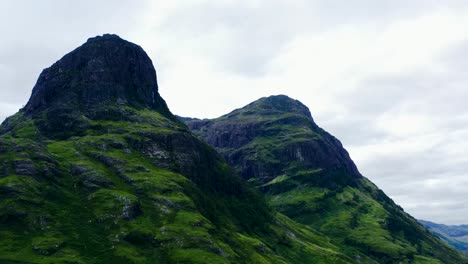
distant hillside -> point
(456, 236)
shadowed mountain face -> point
(95, 169)
(307, 175)
(457, 236)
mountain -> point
(307, 175)
(455, 235)
(96, 169)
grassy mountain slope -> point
(92, 171)
(457, 236)
(307, 175)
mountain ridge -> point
(291, 112)
(455, 235)
(307, 175)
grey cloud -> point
(257, 33)
(251, 36)
(362, 11)
(353, 130)
(440, 97)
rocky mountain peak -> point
(263, 139)
(105, 69)
(277, 104)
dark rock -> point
(153, 149)
(17, 147)
(4, 147)
(24, 167)
(180, 152)
(62, 122)
(263, 139)
(138, 237)
(113, 113)
(166, 202)
(5, 168)
(107, 160)
(106, 69)
(130, 209)
(78, 169)
(128, 179)
(12, 214)
(115, 144)
(89, 178)
(50, 170)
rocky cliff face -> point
(271, 137)
(106, 69)
(307, 175)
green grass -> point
(150, 211)
(161, 195)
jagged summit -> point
(105, 69)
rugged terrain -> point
(307, 175)
(455, 235)
(96, 169)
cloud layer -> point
(386, 77)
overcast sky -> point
(388, 78)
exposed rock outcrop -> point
(262, 139)
(104, 69)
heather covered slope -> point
(95, 169)
(307, 175)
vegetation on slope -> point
(136, 191)
(95, 169)
(307, 175)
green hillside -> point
(307, 175)
(95, 169)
